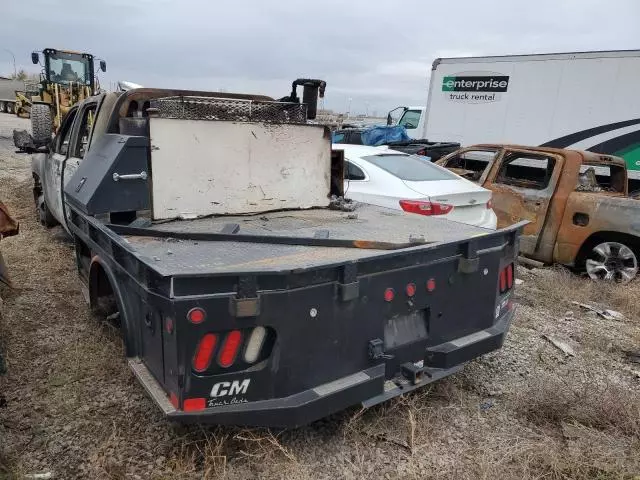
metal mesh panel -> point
(211, 108)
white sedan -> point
(387, 178)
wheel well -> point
(100, 288)
(594, 239)
(105, 301)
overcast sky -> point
(376, 53)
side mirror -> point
(103, 65)
(389, 119)
(35, 58)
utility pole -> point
(15, 72)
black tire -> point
(41, 123)
(9, 107)
(44, 214)
(3, 107)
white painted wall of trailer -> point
(548, 96)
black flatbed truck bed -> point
(178, 257)
(271, 319)
(334, 339)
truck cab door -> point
(413, 121)
(79, 144)
(523, 185)
(52, 171)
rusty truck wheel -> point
(612, 261)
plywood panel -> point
(202, 167)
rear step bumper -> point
(368, 387)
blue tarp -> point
(376, 136)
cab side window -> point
(471, 163)
(61, 144)
(526, 171)
(353, 173)
(601, 178)
(84, 134)
(410, 119)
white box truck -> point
(588, 101)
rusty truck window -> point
(526, 171)
(601, 178)
(472, 163)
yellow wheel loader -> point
(67, 79)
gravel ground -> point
(70, 406)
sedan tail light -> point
(424, 207)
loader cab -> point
(67, 68)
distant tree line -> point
(26, 77)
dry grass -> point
(525, 412)
(555, 288)
(9, 468)
(608, 407)
(588, 454)
(203, 457)
(552, 430)
(205, 453)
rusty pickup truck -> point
(577, 203)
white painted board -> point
(205, 167)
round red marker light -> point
(411, 289)
(196, 315)
(431, 285)
(389, 294)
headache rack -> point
(228, 109)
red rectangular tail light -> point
(204, 352)
(230, 347)
(506, 278)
